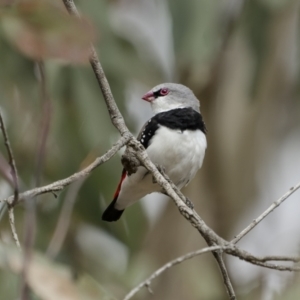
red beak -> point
(148, 97)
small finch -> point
(174, 139)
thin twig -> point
(217, 254)
(14, 174)
(14, 171)
(280, 258)
(275, 266)
(229, 249)
(61, 184)
(265, 213)
(170, 264)
(260, 261)
(13, 227)
(226, 279)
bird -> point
(175, 140)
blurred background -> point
(241, 59)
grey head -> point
(167, 96)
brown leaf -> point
(41, 30)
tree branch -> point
(61, 184)
(229, 249)
(226, 279)
(170, 264)
(261, 261)
(279, 258)
(119, 123)
(13, 227)
(265, 213)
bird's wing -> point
(182, 119)
(148, 131)
(144, 137)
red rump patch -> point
(120, 184)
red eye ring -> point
(164, 91)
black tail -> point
(112, 214)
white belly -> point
(180, 153)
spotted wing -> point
(148, 131)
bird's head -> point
(167, 96)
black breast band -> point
(177, 119)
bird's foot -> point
(189, 203)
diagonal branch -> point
(61, 184)
(261, 261)
(265, 213)
(170, 264)
(119, 123)
(226, 279)
(229, 249)
(279, 258)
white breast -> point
(180, 153)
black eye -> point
(164, 91)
